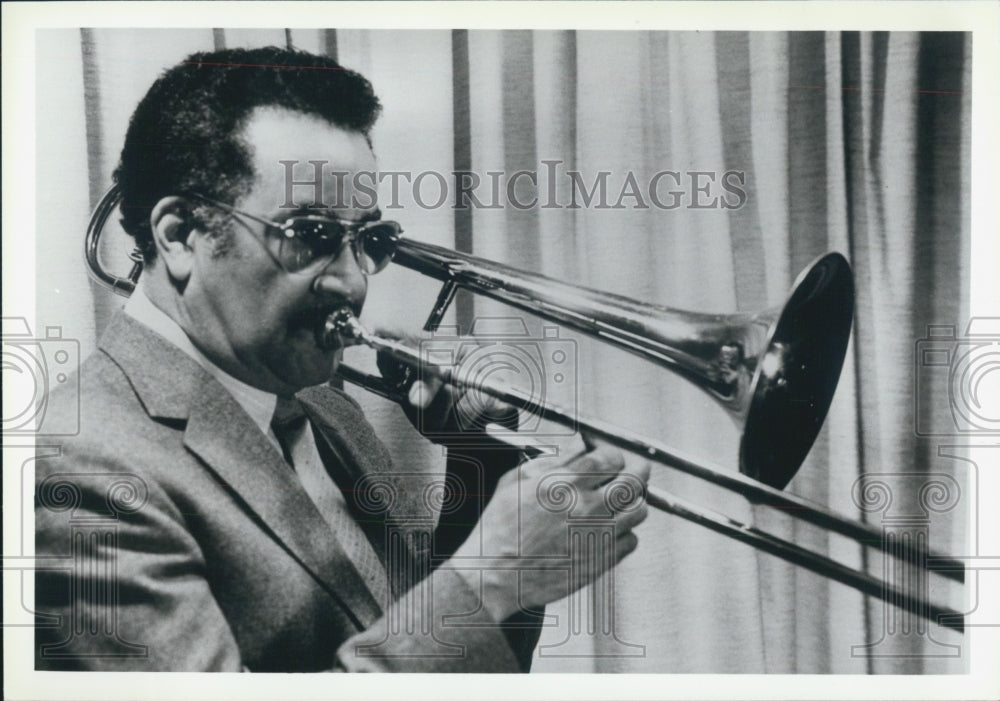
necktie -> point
(291, 427)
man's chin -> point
(307, 364)
(319, 369)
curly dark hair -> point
(185, 135)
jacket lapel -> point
(172, 385)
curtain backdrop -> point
(849, 142)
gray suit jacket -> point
(172, 536)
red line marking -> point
(260, 65)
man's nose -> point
(342, 279)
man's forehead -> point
(277, 134)
(305, 156)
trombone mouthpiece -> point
(341, 329)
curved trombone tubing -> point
(92, 247)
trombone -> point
(774, 371)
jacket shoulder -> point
(107, 428)
(94, 400)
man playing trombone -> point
(223, 506)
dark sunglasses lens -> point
(311, 239)
(314, 239)
(377, 245)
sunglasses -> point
(305, 239)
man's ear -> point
(171, 224)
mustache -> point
(315, 315)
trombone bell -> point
(797, 371)
(775, 372)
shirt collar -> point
(255, 402)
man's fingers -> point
(420, 393)
(625, 545)
(484, 409)
(397, 334)
(627, 520)
(640, 469)
(597, 466)
(592, 442)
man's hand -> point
(521, 545)
(443, 413)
